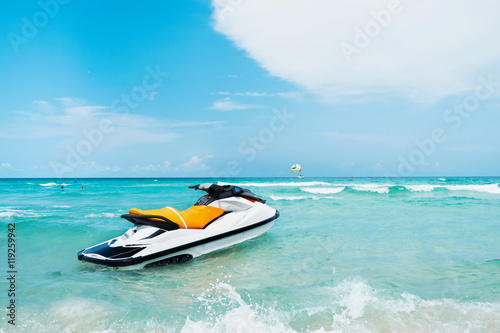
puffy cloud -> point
(165, 166)
(425, 48)
(7, 166)
(94, 166)
(71, 118)
(227, 104)
(195, 164)
(288, 94)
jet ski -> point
(224, 216)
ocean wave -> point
(323, 190)
(241, 316)
(289, 198)
(383, 189)
(8, 212)
(151, 185)
(388, 188)
(332, 188)
(420, 188)
(106, 215)
(355, 307)
(360, 304)
(282, 184)
(54, 184)
(487, 188)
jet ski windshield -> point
(216, 192)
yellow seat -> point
(195, 217)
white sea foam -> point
(355, 307)
(421, 188)
(322, 190)
(371, 188)
(10, 212)
(376, 188)
(290, 198)
(281, 184)
(61, 206)
(48, 184)
(54, 184)
(240, 316)
(107, 215)
(362, 308)
(487, 188)
(442, 179)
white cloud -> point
(165, 166)
(70, 118)
(7, 166)
(44, 106)
(226, 104)
(174, 124)
(291, 94)
(429, 49)
(195, 164)
(93, 166)
(70, 101)
(288, 94)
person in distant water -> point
(62, 188)
(56, 181)
(83, 187)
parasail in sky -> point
(296, 168)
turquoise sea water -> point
(346, 255)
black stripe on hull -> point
(140, 260)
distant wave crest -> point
(280, 184)
(322, 190)
(10, 212)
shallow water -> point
(367, 254)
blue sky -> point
(245, 88)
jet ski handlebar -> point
(207, 187)
(225, 191)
